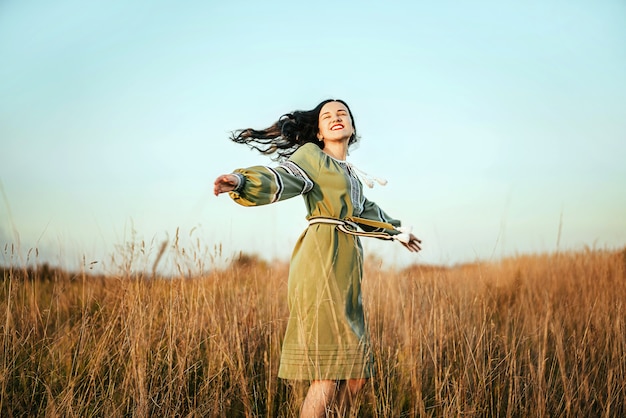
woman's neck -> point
(337, 150)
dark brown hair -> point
(289, 133)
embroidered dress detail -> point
(356, 190)
(240, 182)
(366, 178)
(279, 183)
(296, 171)
(357, 177)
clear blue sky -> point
(500, 126)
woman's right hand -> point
(225, 183)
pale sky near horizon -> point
(500, 126)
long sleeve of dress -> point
(264, 185)
(373, 212)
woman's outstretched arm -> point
(372, 211)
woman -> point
(326, 341)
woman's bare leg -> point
(319, 398)
(348, 391)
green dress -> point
(326, 337)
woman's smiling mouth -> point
(336, 127)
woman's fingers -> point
(224, 183)
(414, 244)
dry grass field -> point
(528, 336)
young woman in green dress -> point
(326, 341)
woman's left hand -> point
(414, 244)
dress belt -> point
(350, 226)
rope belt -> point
(350, 226)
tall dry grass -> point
(540, 336)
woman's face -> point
(335, 123)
